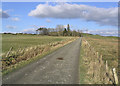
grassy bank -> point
(83, 67)
(93, 70)
(106, 46)
(94, 50)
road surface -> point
(59, 67)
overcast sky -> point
(97, 17)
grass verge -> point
(93, 70)
(26, 62)
(107, 47)
(83, 70)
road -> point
(59, 67)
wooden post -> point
(9, 52)
(22, 52)
(97, 54)
(115, 76)
(106, 67)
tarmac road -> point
(59, 67)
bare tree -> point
(59, 29)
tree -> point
(68, 30)
(45, 31)
(65, 32)
(59, 29)
(68, 27)
(42, 30)
(74, 33)
(39, 30)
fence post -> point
(115, 76)
(106, 66)
(9, 52)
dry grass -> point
(106, 46)
(93, 70)
(18, 59)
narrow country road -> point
(59, 67)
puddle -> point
(60, 58)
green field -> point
(22, 41)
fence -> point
(98, 70)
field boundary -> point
(98, 71)
(33, 53)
